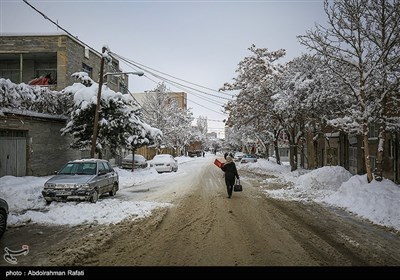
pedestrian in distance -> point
(230, 174)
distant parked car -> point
(238, 156)
(85, 179)
(3, 216)
(248, 158)
(165, 163)
(139, 162)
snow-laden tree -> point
(257, 80)
(33, 98)
(384, 34)
(202, 125)
(233, 138)
(182, 131)
(119, 124)
(304, 102)
(360, 45)
(163, 112)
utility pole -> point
(96, 114)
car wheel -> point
(3, 222)
(176, 169)
(113, 191)
(95, 197)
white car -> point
(140, 161)
(165, 163)
(238, 156)
(248, 158)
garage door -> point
(12, 156)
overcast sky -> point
(197, 41)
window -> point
(87, 69)
(372, 159)
(87, 52)
(122, 88)
(13, 133)
(391, 148)
(108, 166)
(373, 130)
(353, 160)
(10, 70)
(46, 68)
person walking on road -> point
(230, 173)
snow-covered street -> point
(294, 212)
(143, 191)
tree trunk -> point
(302, 157)
(379, 154)
(133, 159)
(315, 157)
(278, 157)
(366, 154)
(292, 156)
(292, 151)
(276, 135)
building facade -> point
(338, 148)
(24, 58)
(33, 145)
(179, 97)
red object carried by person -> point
(218, 163)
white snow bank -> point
(376, 201)
(327, 177)
(105, 211)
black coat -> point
(230, 173)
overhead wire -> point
(59, 26)
(178, 86)
(141, 66)
(166, 79)
(190, 99)
(155, 70)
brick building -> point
(26, 57)
(31, 143)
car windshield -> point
(162, 158)
(80, 168)
(139, 158)
(128, 157)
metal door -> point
(12, 156)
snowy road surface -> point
(195, 224)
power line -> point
(179, 78)
(133, 63)
(169, 82)
(128, 61)
(58, 26)
(207, 108)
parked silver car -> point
(139, 162)
(248, 158)
(165, 163)
(85, 179)
(238, 156)
(3, 216)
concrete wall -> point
(47, 150)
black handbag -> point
(237, 187)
